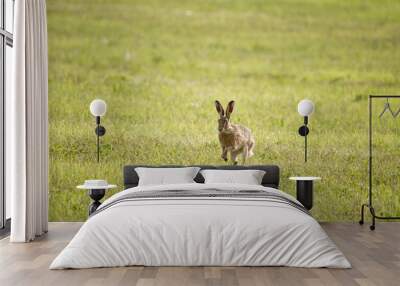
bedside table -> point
(304, 190)
(96, 193)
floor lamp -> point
(98, 109)
(305, 109)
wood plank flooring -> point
(375, 257)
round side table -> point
(304, 190)
(96, 194)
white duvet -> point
(200, 231)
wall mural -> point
(161, 65)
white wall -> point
(8, 86)
(8, 83)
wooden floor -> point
(375, 257)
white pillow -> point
(248, 177)
(165, 176)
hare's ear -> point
(219, 108)
(229, 108)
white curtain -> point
(27, 124)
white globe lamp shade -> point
(305, 107)
(98, 107)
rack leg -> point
(361, 222)
(372, 210)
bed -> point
(198, 224)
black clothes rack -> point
(370, 201)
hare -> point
(233, 138)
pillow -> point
(248, 177)
(165, 176)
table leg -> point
(304, 193)
(96, 195)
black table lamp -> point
(98, 108)
(305, 109)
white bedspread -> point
(200, 231)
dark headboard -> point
(271, 177)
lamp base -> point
(303, 130)
(100, 130)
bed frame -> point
(270, 179)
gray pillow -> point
(166, 176)
(248, 177)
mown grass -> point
(161, 64)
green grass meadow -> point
(160, 65)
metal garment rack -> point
(370, 205)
